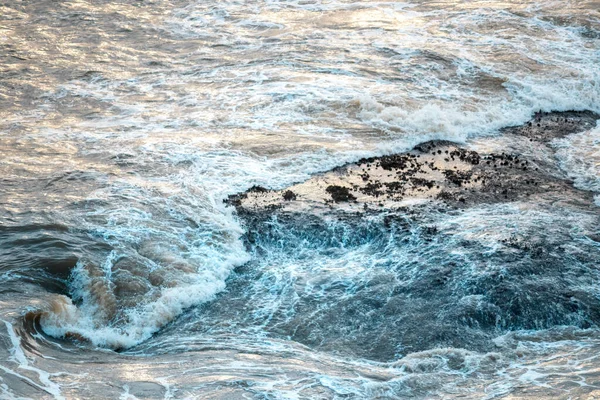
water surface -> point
(124, 125)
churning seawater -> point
(124, 124)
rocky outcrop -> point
(439, 171)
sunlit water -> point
(125, 124)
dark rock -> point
(340, 193)
(288, 195)
(257, 189)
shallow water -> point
(124, 126)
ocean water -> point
(125, 124)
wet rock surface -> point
(545, 127)
(438, 171)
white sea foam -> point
(579, 157)
(188, 286)
(17, 356)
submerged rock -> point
(444, 245)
